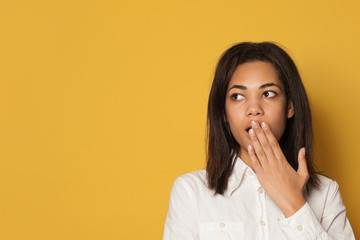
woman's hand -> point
(281, 182)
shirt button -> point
(222, 225)
(249, 173)
(260, 190)
(299, 228)
(262, 223)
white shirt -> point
(245, 211)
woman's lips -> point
(247, 132)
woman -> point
(260, 182)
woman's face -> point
(256, 93)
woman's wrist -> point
(293, 206)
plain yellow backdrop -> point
(103, 104)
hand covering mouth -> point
(250, 126)
(248, 129)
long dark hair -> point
(222, 147)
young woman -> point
(260, 181)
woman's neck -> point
(244, 156)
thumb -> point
(302, 169)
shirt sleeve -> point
(181, 221)
(332, 225)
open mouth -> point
(248, 129)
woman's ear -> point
(290, 109)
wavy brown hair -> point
(222, 147)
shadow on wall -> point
(334, 155)
(326, 143)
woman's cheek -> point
(238, 134)
(279, 128)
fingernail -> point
(264, 125)
(254, 124)
(249, 148)
(251, 132)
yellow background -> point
(103, 104)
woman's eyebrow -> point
(269, 85)
(261, 87)
(238, 86)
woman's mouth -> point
(248, 129)
(247, 132)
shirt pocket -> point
(221, 230)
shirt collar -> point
(237, 175)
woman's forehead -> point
(254, 75)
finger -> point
(274, 144)
(302, 168)
(258, 149)
(263, 141)
(254, 160)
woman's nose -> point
(254, 108)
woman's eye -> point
(269, 94)
(237, 97)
